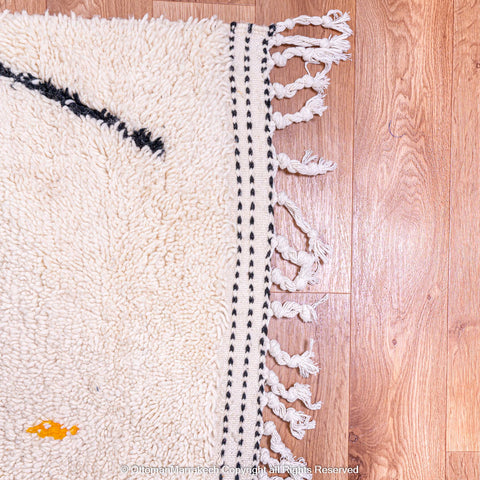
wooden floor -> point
(399, 339)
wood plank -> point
(463, 466)
(326, 200)
(400, 249)
(463, 421)
(104, 8)
(184, 10)
(327, 444)
(221, 2)
(30, 6)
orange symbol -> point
(49, 428)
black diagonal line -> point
(141, 138)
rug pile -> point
(136, 234)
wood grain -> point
(326, 200)
(400, 239)
(327, 444)
(463, 466)
(103, 8)
(30, 6)
(184, 10)
(222, 2)
(463, 421)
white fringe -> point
(315, 244)
(333, 53)
(318, 83)
(334, 20)
(276, 444)
(307, 262)
(296, 467)
(299, 422)
(307, 166)
(296, 285)
(313, 106)
(327, 51)
(300, 258)
(301, 41)
(290, 309)
(299, 391)
(304, 362)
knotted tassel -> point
(307, 262)
(313, 106)
(318, 83)
(299, 422)
(303, 362)
(315, 244)
(276, 443)
(285, 283)
(307, 166)
(333, 53)
(297, 257)
(334, 19)
(296, 466)
(299, 391)
(290, 309)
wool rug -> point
(136, 235)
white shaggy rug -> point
(136, 233)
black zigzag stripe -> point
(141, 138)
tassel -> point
(319, 83)
(333, 42)
(285, 283)
(289, 309)
(303, 362)
(315, 245)
(300, 258)
(299, 422)
(276, 444)
(334, 20)
(307, 262)
(313, 106)
(307, 166)
(286, 455)
(299, 391)
(328, 55)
